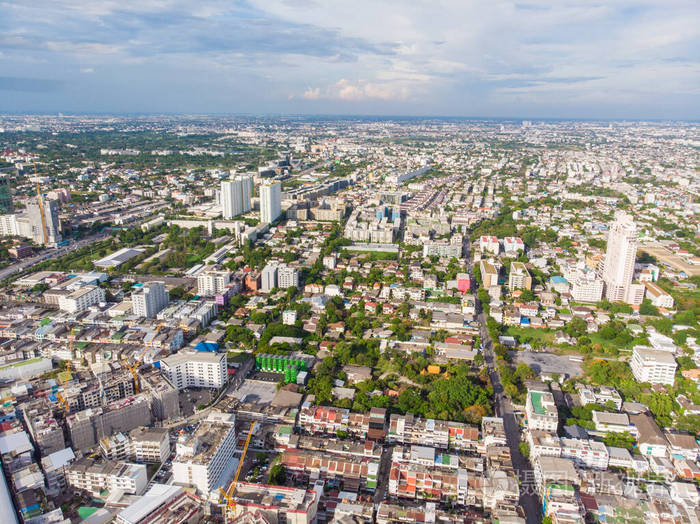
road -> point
(504, 409)
(50, 254)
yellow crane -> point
(228, 495)
(134, 369)
(63, 402)
(40, 202)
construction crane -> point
(133, 369)
(228, 495)
(63, 402)
(40, 202)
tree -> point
(278, 475)
(649, 309)
(524, 449)
(576, 327)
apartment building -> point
(585, 453)
(513, 245)
(212, 283)
(654, 366)
(541, 411)
(287, 277)
(201, 457)
(195, 369)
(149, 299)
(442, 249)
(150, 445)
(408, 429)
(329, 420)
(270, 202)
(55, 466)
(163, 504)
(618, 267)
(81, 299)
(358, 470)
(489, 244)
(278, 503)
(612, 422)
(268, 277)
(416, 481)
(519, 277)
(587, 288)
(94, 476)
(600, 395)
(489, 274)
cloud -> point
(356, 92)
(87, 70)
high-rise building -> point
(149, 299)
(235, 196)
(268, 277)
(53, 237)
(6, 206)
(618, 268)
(212, 283)
(287, 277)
(270, 202)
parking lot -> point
(548, 363)
(256, 391)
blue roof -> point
(207, 346)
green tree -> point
(278, 475)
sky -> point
(615, 59)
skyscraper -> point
(270, 202)
(618, 268)
(235, 196)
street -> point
(48, 254)
(523, 470)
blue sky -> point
(562, 58)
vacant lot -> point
(256, 391)
(667, 257)
(548, 363)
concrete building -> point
(51, 220)
(287, 277)
(81, 299)
(651, 365)
(6, 206)
(55, 467)
(270, 202)
(587, 288)
(268, 277)
(163, 504)
(202, 457)
(199, 369)
(93, 476)
(489, 274)
(541, 411)
(278, 503)
(519, 277)
(150, 445)
(618, 267)
(235, 196)
(211, 283)
(442, 250)
(658, 296)
(149, 299)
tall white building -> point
(270, 202)
(287, 277)
(199, 370)
(236, 195)
(201, 457)
(654, 366)
(268, 277)
(149, 299)
(81, 299)
(618, 268)
(212, 283)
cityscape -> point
(349, 263)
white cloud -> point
(357, 92)
(87, 70)
(312, 93)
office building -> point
(201, 370)
(618, 267)
(149, 299)
(519, 277)
(236, 195)
(50, 219)
(211, 283)
(201, 457)
(270, 202)
(654, 366)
